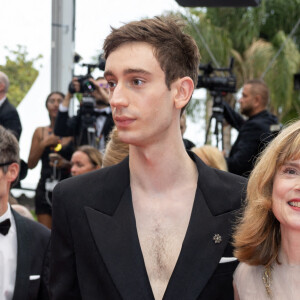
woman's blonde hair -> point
(115, 150)
(211, 156)
(257, 237)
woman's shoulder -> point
(248, 281)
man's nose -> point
(119, 96)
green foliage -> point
(21, 73)
(281, 15)
(254, 36)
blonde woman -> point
(267, 240)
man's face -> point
(247, 101)
(142, 105)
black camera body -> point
(86, 86)
(210, 81)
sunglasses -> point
(7, 163)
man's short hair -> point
(4, 79)
(9, 148)
(176, 51)
(259, 87)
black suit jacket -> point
(65, 126)
(254, 135)
(9, 118)
(96, 253)
(32, 259)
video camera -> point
(86, 112)
(86, 86)
(214, 83)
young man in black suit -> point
(9, 117)
(158, 224)
(24, 258)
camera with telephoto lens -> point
(86, 86)
(209, 80)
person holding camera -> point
(254, 133)
(93, 122)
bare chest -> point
(161, 234)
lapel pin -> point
(217, 239)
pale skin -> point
(163, 177)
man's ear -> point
(184, 91)
(13, 172)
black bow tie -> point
(4, 226)
(101, 113)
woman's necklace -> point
(267, 280)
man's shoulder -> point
(103, 184)
(223, 191)
(7, 106)
(33, 228)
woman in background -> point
(44, 143)
(267, 240)
(85, 159)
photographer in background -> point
(94, 114)
(254, 133)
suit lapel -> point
(23, 263)
(199, 255)
(117, 241)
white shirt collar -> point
(2, 101)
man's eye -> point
(137, 82)
(111, 84)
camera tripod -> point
(217, 114)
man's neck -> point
(256, 111)
(3, 206)
(155, 169)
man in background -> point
(24, 261)
(255, 132)
(9, 117)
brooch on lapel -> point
(217, 238)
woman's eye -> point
(290, 171)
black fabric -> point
(9, 118)
(42, 206)
(4, 226)
(188, 144)
(65, 126)
(95, 247)
(254, 135)
(32, 259)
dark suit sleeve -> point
(10, 120)
(232, 117)
(63, 278)
(240, 162)
(44, 287)
(65, 126)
